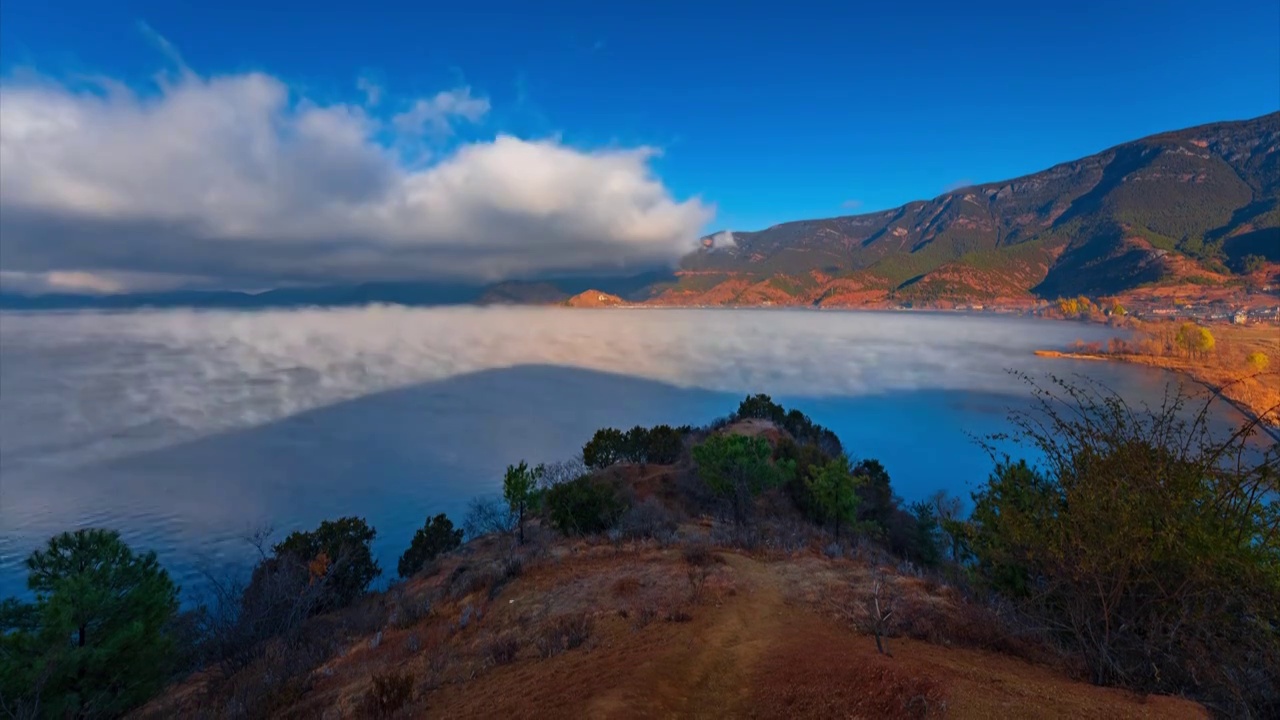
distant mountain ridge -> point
(1195, 201)
(424, 293)
(1198, 207)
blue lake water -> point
(189, 430)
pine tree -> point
(96, 641)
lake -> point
(187, 430)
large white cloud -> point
(238, 177)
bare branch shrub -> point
(1146, 539)
(563, 632)
(390, 692)
(501, 649)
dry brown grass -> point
(628, 633)
(390, 692)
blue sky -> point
(767, 112)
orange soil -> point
(754, 645)
(753, 654)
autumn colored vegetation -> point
(1233, 360)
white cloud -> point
(237, 177)
(82, 281)
(437, 115)
(104, 282)
(724, 239)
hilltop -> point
(672, 614)
(594, 298)
(668, 632)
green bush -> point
(1147, 541)
(876, 502)
(738, 468)
(805, 457)
(96, 642)
(338, 551)
(583, 506)
(834, 490)
(796, 423)
(605, 448)
(926, 541)
(520, 490)
(761, 407)
(435, 537)
(661, 444)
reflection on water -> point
(187, 430)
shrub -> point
(504, 573)
(641, 617)
(1257, 361)
(564, 632)
(804, 430)
(550, 474)
(96, 642)
(277, 680)
(876, 502)
(1250, 264)
(834, 490)
(737, 468)
(502, 649)
(439, 657)
(806, 457)
(762, 407)
(519, 488)
(648, 519)
(486, 516)
(583, 506)
(697, 554)
(235, 620)
(925, 545)
(635, 445)
(1149, 545)
(605, 448)
(389, 693)
(435, 537)
(663, 445)
(338, 551)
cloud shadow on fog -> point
(394, 457)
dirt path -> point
(707, 674)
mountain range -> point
(1197, 209)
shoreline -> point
(1250, 412)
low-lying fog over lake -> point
(188, 430)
